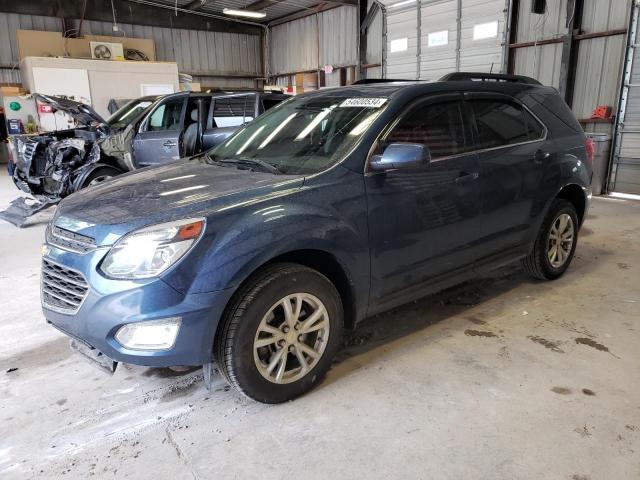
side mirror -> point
(401, 156)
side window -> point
(268, 103)
(503, 123)
(233, 111)
(166, 116)
(440, 126)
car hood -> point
(80, 112)
(168, 192)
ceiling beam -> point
(195, 4)
(126, 12)
(262, 4)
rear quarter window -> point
(501, 123)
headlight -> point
(151, 335)
(151, 250)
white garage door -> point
(429, 38)
(625, 173)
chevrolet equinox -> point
(333, 206)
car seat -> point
(191, 134)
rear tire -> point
(556, 242)
(272, 352)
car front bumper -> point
(109, 304)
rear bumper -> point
(110, 304)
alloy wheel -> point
(291, 338)
(561, 238)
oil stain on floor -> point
(594, 344)
(554, 346)
(479, 333)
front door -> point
(159, 139)
(513, 154)
(423, 223)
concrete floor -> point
(502, 378)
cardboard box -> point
(12, 91)
(34, 43)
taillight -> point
(590, 147)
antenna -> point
(491, 69)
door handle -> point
(170, 143)
(540, 156)
(466, 177)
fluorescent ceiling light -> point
(244, 13)
(400, 4)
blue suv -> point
(333, 206)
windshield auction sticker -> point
(363, 102)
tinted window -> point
(233, 111)
(503, 123)
(439, 126)
(166, 116)
(268, 103)
(303, 135)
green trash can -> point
(602, 148)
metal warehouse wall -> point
(375, 44)
(293, 46)
(195, 51)
(599, 66)
(422, 59)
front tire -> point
(99, 175)
(556, 242)
(279, 337)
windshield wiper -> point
(251, 161)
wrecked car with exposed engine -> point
(147, 131)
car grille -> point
(63, 289)
(70, 241)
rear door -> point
(226, 115)
(159, 138)
(424, 222)
(512, 148)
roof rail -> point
(366, 81)
(492, 77)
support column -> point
(569, 59)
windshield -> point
(303, 135)
(125, 115)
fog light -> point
(152, 335)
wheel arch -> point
(575, 194)
(324, 262)
(80, 179)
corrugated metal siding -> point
(532, 27)
(601, 15)
(194, 51)
(541, 62)
(293, 46)
(339, 36)
(600, 59)
(437, 16)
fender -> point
(88, 170)
(237, 245)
